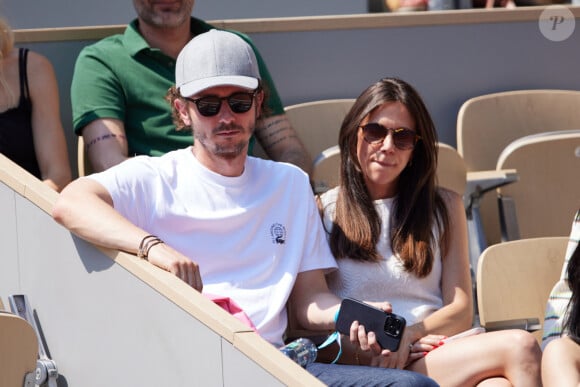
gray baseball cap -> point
(215, 58)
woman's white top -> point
(412, 297)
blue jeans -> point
(355, 375)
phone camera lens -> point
(392, 326)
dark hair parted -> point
(572, 319)
(173, 94)
(418, 206)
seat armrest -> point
(484, 181)
(528, 324)
(480, 182)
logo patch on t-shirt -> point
(278, 233)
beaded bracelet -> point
(146, 244)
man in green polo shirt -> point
(119, 86)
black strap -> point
(22, 58)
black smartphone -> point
(388, 327)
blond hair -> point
(6, 46)
(6, 38)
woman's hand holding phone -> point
(388, 328)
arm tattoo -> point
(102, 138)
(270, 138)
(276, 122)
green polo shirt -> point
(121, 77)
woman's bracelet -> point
(146, 244)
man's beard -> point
(164, 19)
(230, 153)
(225, 151)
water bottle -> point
(303, 351)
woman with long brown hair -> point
(397, 237)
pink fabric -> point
(232, 308)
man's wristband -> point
(146, 244)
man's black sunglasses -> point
(210, 105)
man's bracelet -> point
(146, 244)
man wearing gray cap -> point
(223, 222)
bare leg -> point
(561, 363)
(513, 355)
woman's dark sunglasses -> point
(210, 105)
(403, 138)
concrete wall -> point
(448, 64)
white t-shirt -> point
(251, 235)
(411, 297)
